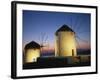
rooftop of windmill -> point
(32, 45)
(64, 28)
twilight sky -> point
(38, 23)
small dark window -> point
(72, 52)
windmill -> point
(67, 39)
(65, 42)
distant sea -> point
(47, 54)
(83, 52)
(79, 52)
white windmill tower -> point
(65, 44)
(32, 52)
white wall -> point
(5, 40)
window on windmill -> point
(72, 52)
